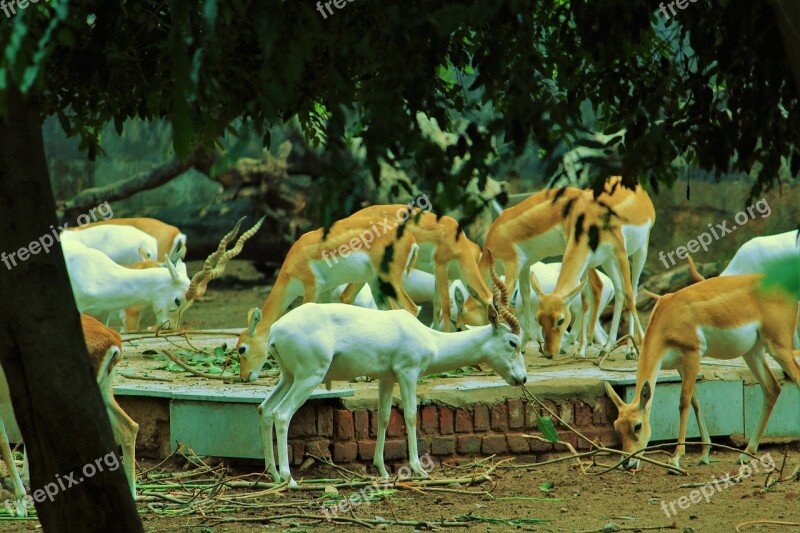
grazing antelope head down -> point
(633, 422)
(252, 348)
(554, 315)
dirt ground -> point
(555, 497)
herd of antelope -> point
(120, 267)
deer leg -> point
(441, 297)
(612, 269)
(8, 459)
(637, 265)
(348, 295)
(384, 411)
(408, 397)
(125, 430)
(770, 390)
(689, 379)
(625, 270)
(267, 415)
(298, 393)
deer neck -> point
(454, 350)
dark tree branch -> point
(198, 158)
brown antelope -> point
(524, 234)
(444, 251)
(353, 252)
(722, 318)
(105, 351)
(315, 343)
(602, 231)
(169, 238)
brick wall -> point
(321, 428)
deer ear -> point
(253, 318)
(143, 254)
(575, 291)
(613, 395)
(535, 284)
(644, 397)
(176, 277)
(491, 314)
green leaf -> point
(547, 428)
(219, 352)
(547, 486)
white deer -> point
(101, 286)
(122, 244)
(317, 343)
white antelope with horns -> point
(316, 343)
(316, 265)
(722, 318)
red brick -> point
(296, 452)
(463, 421)
(607, 436)
(481, 414)
(428, 419)
(469, 444)
(345, 452)
(583, 414)
(531, 415)
(567, 436)
(424, 445)
(516, 414)
(325, 421)
(553, 407)
(443, 446)
(304, 422)
(517, 443)
(395, 449)
(604, 411)
(343, 420)
(373, 424)
(500, 417)
(396, 424)
(539, 446)
(366, 450)
(319, 448)
(566, 411)
(445, 420)
(493, 444)
(361, 420)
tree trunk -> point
(54, 392)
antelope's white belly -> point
(356, 267)
(728, 343)
(549, 243)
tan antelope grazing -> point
(723, 318)
(757, 254)
(444, 251)
(317, 343)
(105, 351)
(169, 238)
(602, 231)
(353, 252)
(583, 310)
(524, 234)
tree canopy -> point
(712, 86)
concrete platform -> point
(476, 414)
